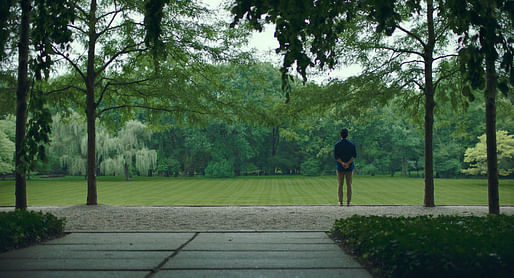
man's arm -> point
(348, 163)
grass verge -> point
(426, 246)
(22, 228)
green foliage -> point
(6, 154)
(21, 228)
(168, 166)
(38, 130)
(50, 29)
(477, 156)
(128, 149)
(5, 7)
(114, 153)
(485, 34)
(8, 92)
(426, 246)
(448, 159)
(220, 169)
(7, 147)
(310, 168)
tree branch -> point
(84, 13)
(411, 61)
(414, 36)
(110, 22)
(150, 108)
(104, 89)
(65, 89)
(77, 28)
(446, 56)
(444, 76)
(443, 31)
(126, 50)
(115, 12)
(400, 50)
(73, 64)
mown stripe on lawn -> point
(278, 190)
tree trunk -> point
(92, 198)
(275, 139)
(429, 109)
(490, 130)
(404, 166)
(126, 168)
(21, 107)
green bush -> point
(21, 228)
(426, 246)
(311, 168)
(220, 169)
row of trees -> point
(389, 140)
(404, 43)
(111, 50)
(159, 55)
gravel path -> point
(105, 218)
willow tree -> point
(128, 150)
(115, 153)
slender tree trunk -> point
(404, 166)
(92, 198)
(126, 169)
(21, 106)
(275, 138)
(429, 109)
(490, 119)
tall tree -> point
(116, 74)
(21, 105)
(44, 24)
(486, 40)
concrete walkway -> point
(209, 254)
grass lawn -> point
(278, 190)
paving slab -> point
(74, 274)
(255, 260)
(316, 241)
(237, 254)
(41, 252)
(123, 241)
(113, 238)
(265, 237)
(79, 264)
(268, 273)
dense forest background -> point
(389, 136)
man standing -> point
(345, 153)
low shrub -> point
(220, 169)
(311, 168)
(21, 228)
(426, 246)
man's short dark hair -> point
(344, 133)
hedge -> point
(426, 246)
(21, 228)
